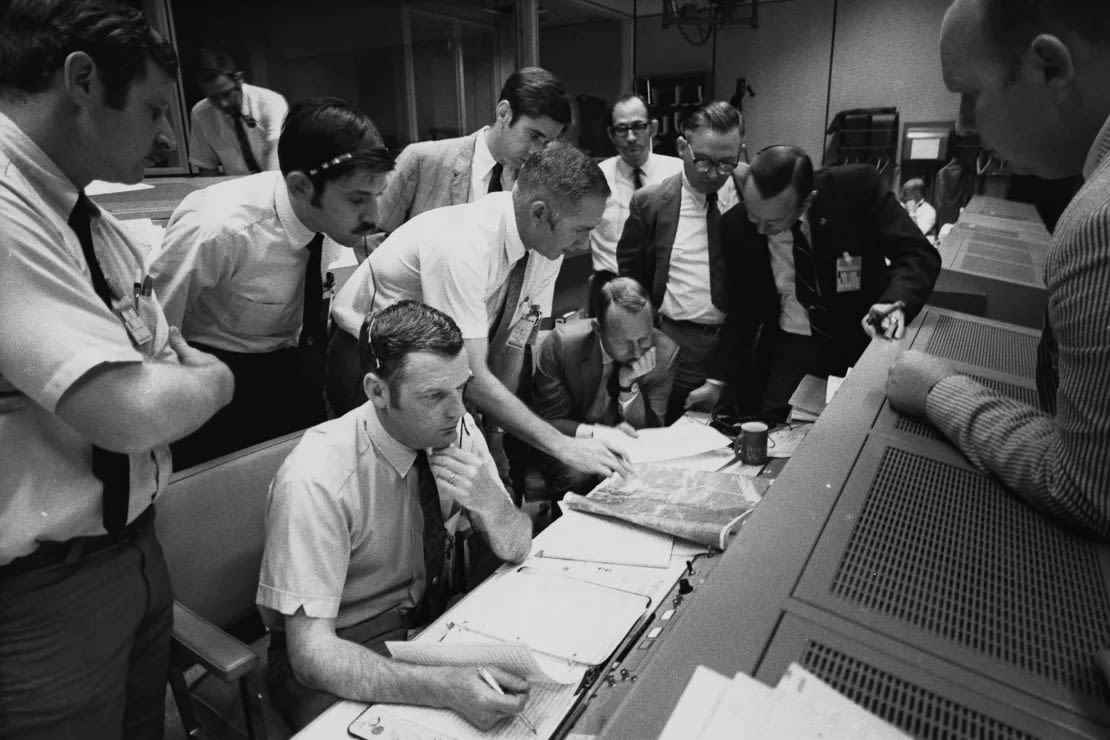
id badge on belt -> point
(848, 269)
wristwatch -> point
(634, 388)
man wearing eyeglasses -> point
(241, 267)
(671, 243)
(631, 130)
(828, 260)
(235, 128)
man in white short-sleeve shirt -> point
(93, 384)
(358, 525)
(462, 260)
(234, 130)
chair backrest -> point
(211, 524)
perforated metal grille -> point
(923, 428)
(1000, 249)
(917, 711)
(948, 551)
(998, 269)
(979, 344)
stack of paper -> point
(808, 400)
(801, 707)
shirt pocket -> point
(257, 319)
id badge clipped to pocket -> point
(848, 269)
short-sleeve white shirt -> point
(54, 329)
(456, 259)
(212, 139)
(231, 271)
(344, 530)
(604, 237)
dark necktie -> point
(507, 366)
(718, 283)
(245, 145)
(112, 469)
(435, 536)
(805, 276)
(495, 179)
(637, 178)
(312, 320)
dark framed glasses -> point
(622, 129)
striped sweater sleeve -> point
(1057, 458)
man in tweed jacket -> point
(532, 110)
(1032, 82)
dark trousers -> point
(790, 357)
(275, 393)
(697, 344)
(344, 373)
(300, 704)
(84, 647)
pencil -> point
(492, 683)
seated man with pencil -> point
(828, 260)
(358, 530)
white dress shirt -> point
(481, 168)
(604, 237)
(232, 267)
(456, 259)
(212, 139)
(55, 330)
(688, 293)
(923, 214)
(793, 316)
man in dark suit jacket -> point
(610, 375)
(671, 244)
(825, 262)
(532, 110)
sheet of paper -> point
(597, 539)
(832, 385)
(713, 460)
(100, 187)
(742, 711)
(786, 439)
(557, 616)
(670, 443)
(547, 705)
(512, 657)
(651, 582)
(696, 705)
(804, 706)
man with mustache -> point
(240, 271)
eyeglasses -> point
(622, 129)
(705, 165)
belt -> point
(366, 630)
(711, 329)
(73, 551)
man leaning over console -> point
(827, 261)
(359, 518)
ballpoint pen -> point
(492, 683)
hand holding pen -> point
(886, 320)
(493, 683)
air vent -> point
(981, 344)
(923, 428)
(998, 269)
(918, 711)
(1003, 251)
(948, 551)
